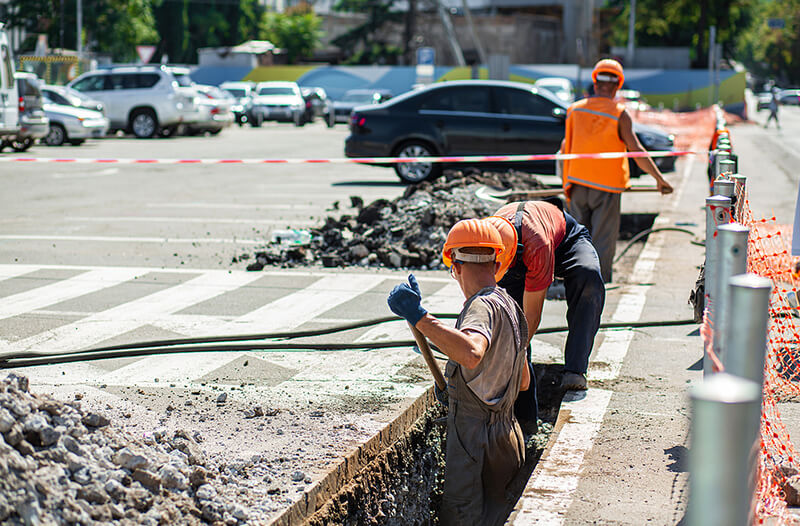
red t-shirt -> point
(543, 229)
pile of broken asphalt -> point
(407, 232)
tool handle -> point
(425, 349)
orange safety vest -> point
(592, 128)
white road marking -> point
(283, 314)
(74, 287)
(203, 220)
(84, 174)
(548, 495)
(13, 271)
(232, 206)
(132, 239)
(133, 314)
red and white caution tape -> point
(360, 160)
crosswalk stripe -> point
(283, 314)
(128, 316)
(74, 287)
(13, 271)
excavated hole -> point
(632, 224)
(402, 485)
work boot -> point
(573, 381)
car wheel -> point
(144, 124)
(299, 121)
(416, 172)
(169, 131)
(256, 120)
(331, 120)
(20, 145)
(56, 136)
(215, 131)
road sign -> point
(776, 23)
(426, 56)
(145, 53)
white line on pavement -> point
(132, 239)
(203, 220)
(231, 206)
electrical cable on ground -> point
(224, 343)
(646, 232)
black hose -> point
(186, 345)
(646, 232)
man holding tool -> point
(598, 124)
(485, 371)
(551, 243)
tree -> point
(111, 26)
(296, 30)
(364, 42)
(773, 51)
(684, 23)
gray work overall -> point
(485, 445)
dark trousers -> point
(578, 265)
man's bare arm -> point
(532, 306)
(625, 128)
(466, 348)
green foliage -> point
(296, 31)
(683, 23)
(364, 43)
(772, 52)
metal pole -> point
(80, 29)
(746, 330)
(468, 15)
(712, 41)
(725, 166)
(450, 32)
(718, 212)
(724, 187)
(631, 34)
(731, 260)
(726, 413)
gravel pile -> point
(407, 232)
(60, 464)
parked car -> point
(280, 101)
(214, 109)
(470, 118)
(763, 100)
(144, 100)
(559, 86)
(72, 124)
(70, 97)
(340, 110)
(33, 123)
(9, 95)
(316, 103)
(789, 97)
(242, 107)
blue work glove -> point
(404, 300)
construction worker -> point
(598, 124)
(485, 371)
(553, 244)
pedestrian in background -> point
(773, 107)
(599, 124)
(485, 371)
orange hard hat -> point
(610, 66)
(472, 233)
(509, 236)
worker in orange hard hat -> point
(550, 243)
(485, 371)
(598, 124)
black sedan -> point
(470, 118)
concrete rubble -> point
(407, 232)
(60, 464)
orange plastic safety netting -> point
(769, 256)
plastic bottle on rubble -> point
(291, 237)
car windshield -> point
(237, 92)
(359, 97)
(267, 90)
(183, 79)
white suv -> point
(144, 100)
(280, 101)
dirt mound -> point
(407, 232)
(60, 464)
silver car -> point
(144, 100)
(73, 125)
(280, 101)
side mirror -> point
(559, 113)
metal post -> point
(724, 187)
(631, 34)
(725, 166)
(79, 47)
(718, 212)
(712, 41)
(746, 330)
(731, 248)
(726, 411)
